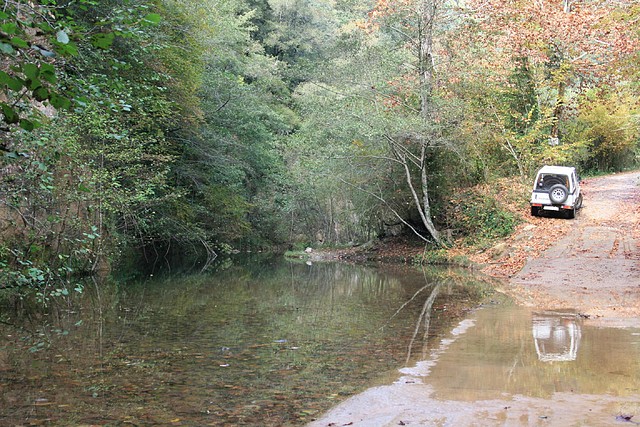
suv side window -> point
(573, 183)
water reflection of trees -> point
(281, 329)
(424, 321)
(447, 283)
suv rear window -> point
(548, 180)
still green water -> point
(262, 342)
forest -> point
(155, 131)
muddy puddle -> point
(505, 365)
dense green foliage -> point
(162, 129)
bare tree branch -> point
(380, 198)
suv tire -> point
(558, 194)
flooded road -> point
(506, 365)
(271, 343)
(265, 343)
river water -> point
(273, 343)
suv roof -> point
(565, 170)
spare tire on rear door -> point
(558, 193)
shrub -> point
(477, 216)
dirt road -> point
(591, 264)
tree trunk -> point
(557, 113)
(426, 207)
(425, 56)
(428, 9)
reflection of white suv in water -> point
(556, 189)
(556, 336)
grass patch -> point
(296, 254)
(441, 257)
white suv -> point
(556, 189)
